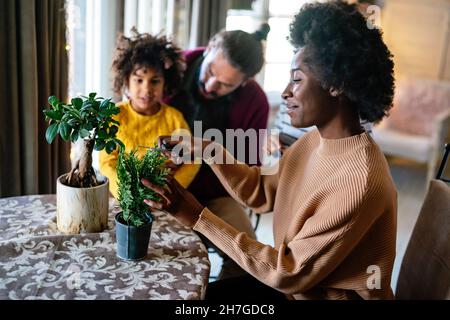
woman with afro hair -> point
(333, 199)
(146, 68)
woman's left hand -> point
(175, 200)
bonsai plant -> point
(134, 222)
(82, 197)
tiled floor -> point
(410, 181)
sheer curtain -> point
(191, 23)
(93, 26)
(206, 19)
(34, 66)
(154, 16)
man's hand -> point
(175, 200)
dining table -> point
(39, 262)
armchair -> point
(419, 122)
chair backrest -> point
(417, 102)
(425, 269)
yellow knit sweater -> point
(141, 130)
(334, 220)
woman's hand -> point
(175, 200)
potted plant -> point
(82, 196)
(134, 222)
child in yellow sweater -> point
(146, 67)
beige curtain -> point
(33, 66)
(207, 17)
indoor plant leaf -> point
(51, 132)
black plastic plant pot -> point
(132, 242)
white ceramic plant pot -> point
(81, 209)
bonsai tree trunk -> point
(82, 174)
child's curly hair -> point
(145, 50)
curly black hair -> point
(145, 50)
(344, 52)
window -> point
(92, 30)
(76, 26)
(279, 15)
(93, 27)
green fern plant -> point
(132, 193)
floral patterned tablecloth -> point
(38, 262)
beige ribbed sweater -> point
(334, 219)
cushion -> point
(416, 104)
(396, 143)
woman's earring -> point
(335, 92)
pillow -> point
(416, 104)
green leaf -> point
(110, 146)
(105, 103)
(102, 134)
(72, 122)
(75, 113)
(53, 114)
(51, 132)
(113, 130)
(64, 131)
(99, 144)
(92, 95)
(96, 105)
(86, 105)
(89, 126)
(53, 101)
(105, 113)
(84, 133)
(77, 103)
(115, 110)
(59, 106)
